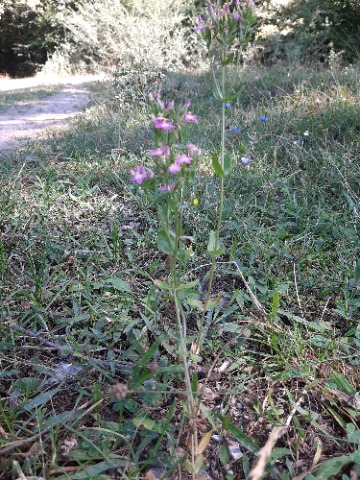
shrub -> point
(309, 29)
(139, 32)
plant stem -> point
(220, 213)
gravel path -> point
(31, 120)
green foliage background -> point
(29, 33)
(319, 26)
(87, 35)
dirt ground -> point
(29, 120)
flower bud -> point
(238, 18)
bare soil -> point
(30, 120)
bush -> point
(304, 29)
(113, 32)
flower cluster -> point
(228, 24)
(169, 159)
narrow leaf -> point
(330, 468)
(199, 463)
(216, 166)
(246, 465)
(243, 439)
(275, 304)
(195, 302)
(187, 286)
(211, 247)
(204, 442)
(119, 284)
(41, 399)
(228, 60)
(233, 97)
(163, 285)
(165, 243)
(342, 383)
(99, 468)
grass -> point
(90, 382)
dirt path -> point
(31, 119)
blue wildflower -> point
(211, 98)
(251, 138)
(234, 129)
(263, 118)
(246, 160)
(227, 104)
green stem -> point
(220, 213)
(182, 327)
(222, 119)
(180, 317)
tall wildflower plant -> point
(170, 174)
(226, 30)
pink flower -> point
(187, 102)
(226, 7)
(183, 158)
(138, 175)
(189, 117)
(174, 168)
(160, 151)
(170, 105)
(201, 25)
(166, 188)
(251, 5)
(197, 28)
(194, 150)
(163, 124)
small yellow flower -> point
(196, 202)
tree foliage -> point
(29, 33)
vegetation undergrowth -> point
(92, 376)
